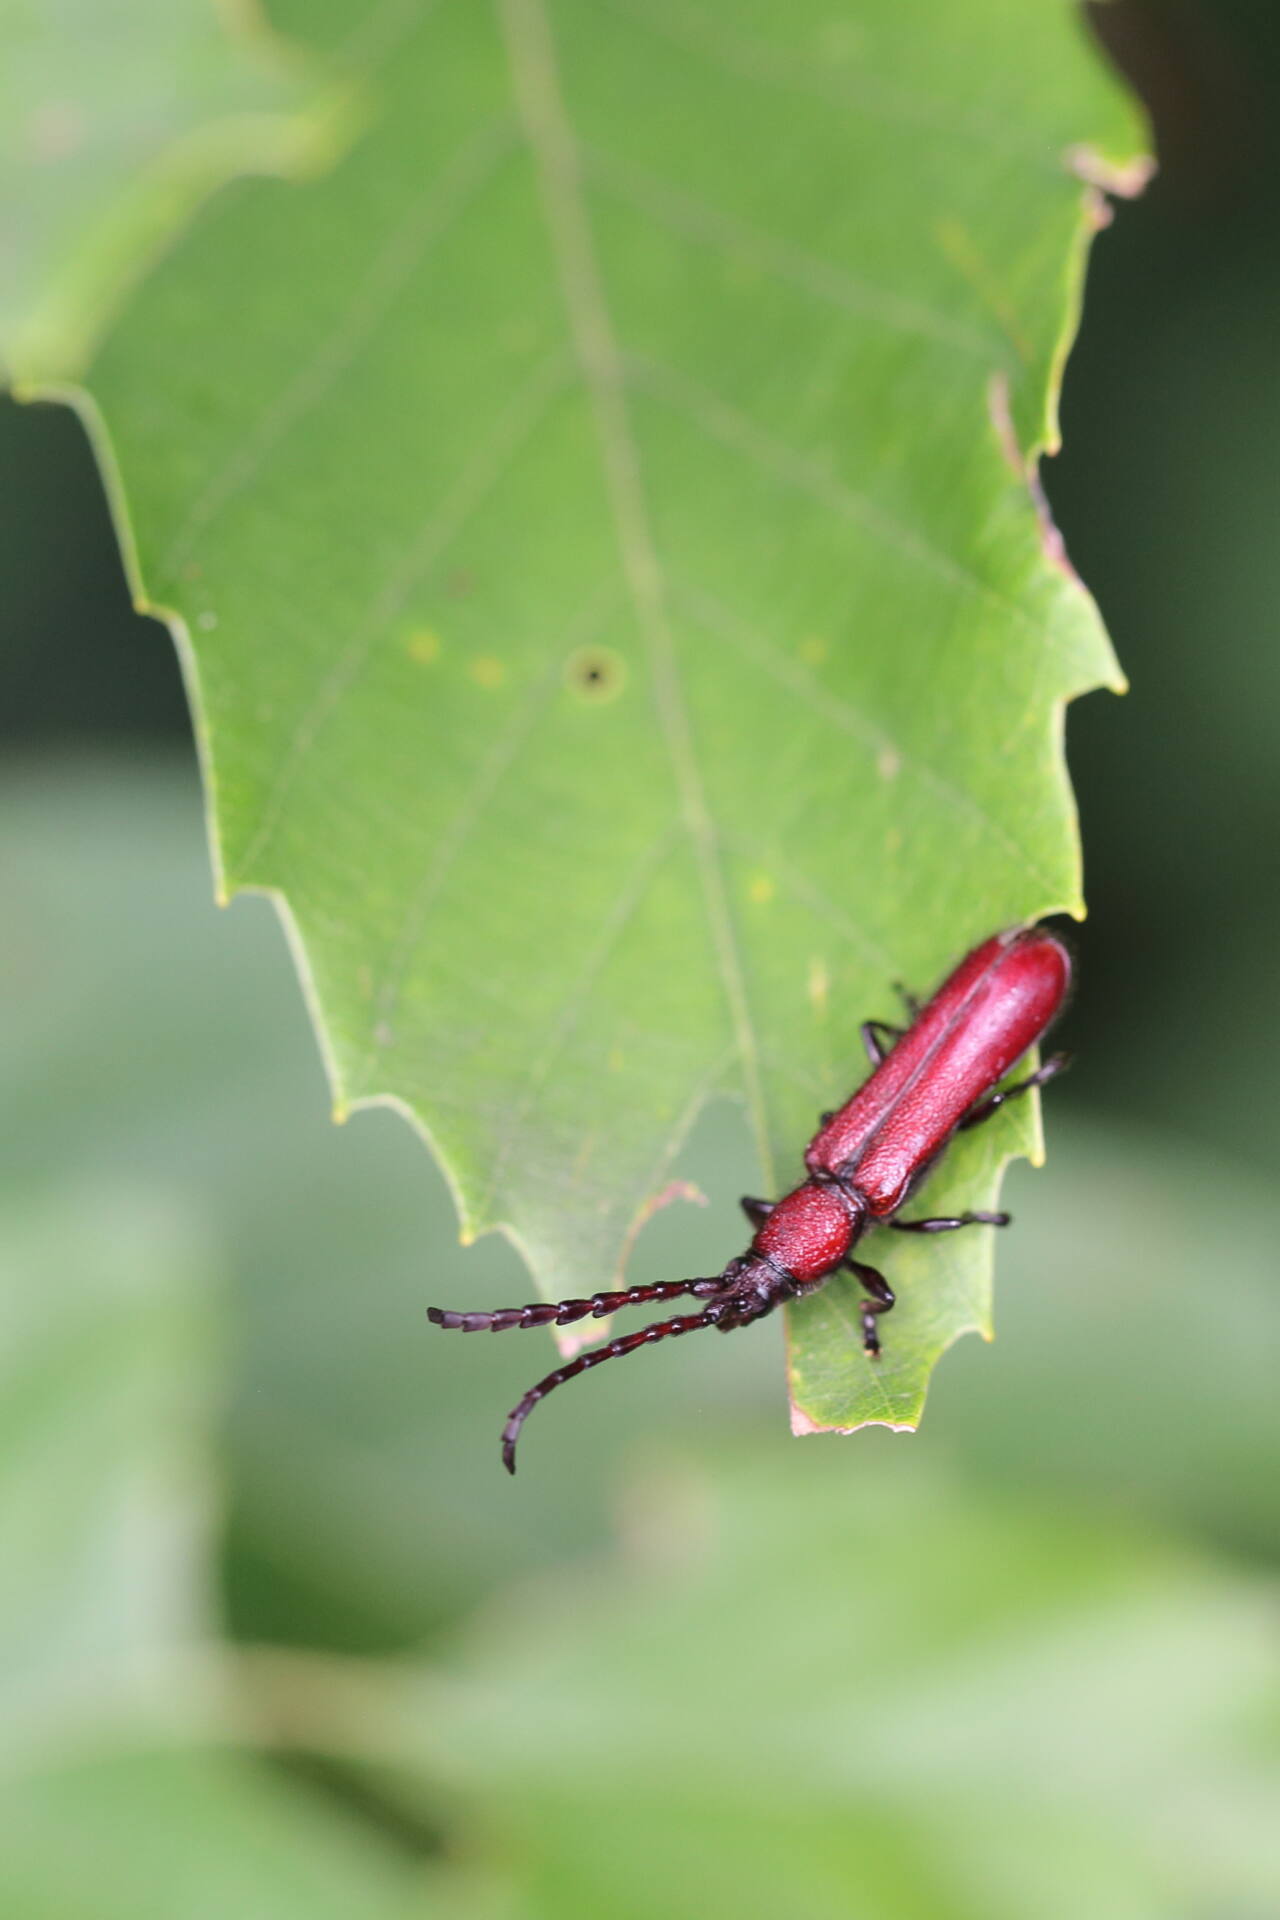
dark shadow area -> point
(1167, 492)
(77, 664)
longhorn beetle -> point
(937, 1077)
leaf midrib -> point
(535, 79)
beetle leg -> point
(757, 1211)
(908, 1000)
(872, 1041)
(882, 1298)
(949, 1222)
(1056, 1063)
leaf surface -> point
(595, 519)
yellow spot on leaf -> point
(423, 645)
(487, 672)
(814, 650)
(761, 890)
(617, 1059)
(819, 986)
(889, 763)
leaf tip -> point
(1126, 179)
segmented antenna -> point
(627, 1343)
(561, 1313)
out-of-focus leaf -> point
(187, 1835)
(1136, 1357)
(109, 1674)
(596, 521)
(808, 1688)
(119, 118)
(105, 1504)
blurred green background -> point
(1024, 1662)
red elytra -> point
(939, 1077)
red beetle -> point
(938, 1077)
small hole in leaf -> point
(596, 674)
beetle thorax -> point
(811, 1230)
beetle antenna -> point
(627, 1343)
(561, 1313)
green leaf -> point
(799, 1687)
(198, 1835)
(596, 523)
(1121, 1286)
(105, 1499)
(120, 117)
(115, 1799)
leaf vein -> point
(615, 924)
(793, 882)
(800, 473)
(482, 473)
(737, 57)
(677, 211)
(533, 65)
(460, 181)
(837, 712)
(489, 775)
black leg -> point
(908, 1000)
(1056, 1063)
(757, 1211)
(882, 1298)
(872, 1041)
(947, 1223)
